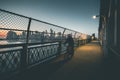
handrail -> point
(21, 44)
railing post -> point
(63, 33)
(75, 34)
(60, 43)
(59, 48)
(24, 58)
(24, 55)
(78, 42)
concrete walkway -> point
(86, 64)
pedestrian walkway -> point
(86, 64)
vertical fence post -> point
(24, 55)
(63, 32)
(78, 43)
(75, 34)
(75, 45)
(59, 48)
(60, 43)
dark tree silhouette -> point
(11, 35)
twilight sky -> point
(72, 14)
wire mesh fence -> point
(33, 41)
(44, 32)
(14, 28)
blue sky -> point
(72, 14)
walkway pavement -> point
(87, 64)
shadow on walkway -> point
(42, 71)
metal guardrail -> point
(15, 58)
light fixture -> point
(94, 17)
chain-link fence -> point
(14, 28)
(25, 41)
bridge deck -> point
(87, 64)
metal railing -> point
(25, 42)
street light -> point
(104, 18)
(103, 26)
(103, 31)
(94, 17)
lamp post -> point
(103, 32)
(102, 16)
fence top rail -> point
(29, 44)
